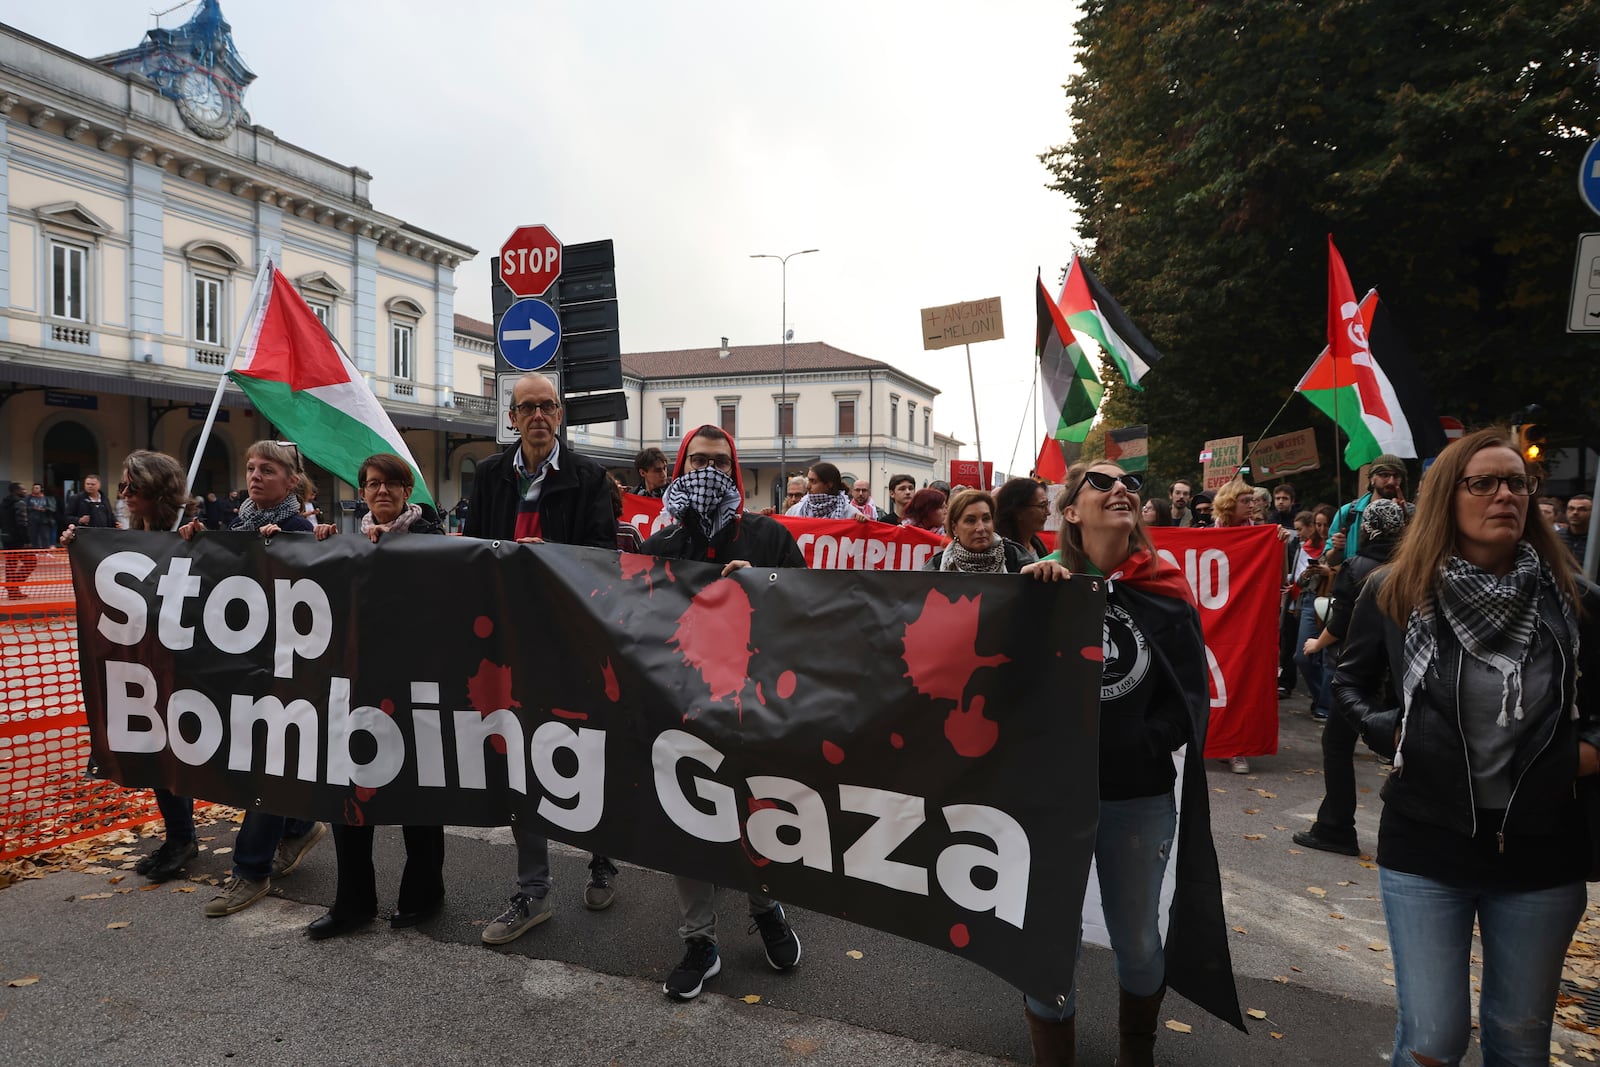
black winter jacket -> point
(756, 539)
(1352, 576)
(574, 503)
(1432, 781)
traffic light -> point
(1530, 441)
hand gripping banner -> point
(914, 752)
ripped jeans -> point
(1130, 854)
(1525, 935)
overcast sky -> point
(901, 139)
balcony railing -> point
(70, 335)
(476, 405)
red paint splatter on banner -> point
(897, 741)
(1093, 653)
(387, 707)
(482, 626)
(832, 752)
(666, 565)
(761, 698)
(364, 793)
(563, 713)
(750, 853)
(941, 647)
(786, 684)
(759, 803)
(613, 690)
(488, 691)
(713, 636)
(633, 565)
(960, 936)
(352, 813)
(969, 733)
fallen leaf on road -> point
(1316, 891)
(1277, 1035)
(1369, 866)
(1388, 981)
(1342, 948)
(1240, 930)
(183, 889)
(753, 998)
(1296, 852)
(1377, 946)
(1280, 827)
(147, 888)
(1264, 794)
(1346, 883)
(95, 896)
(122, 851)
(18, 983)
(97, 870)
(116, 926)
(1179, 1028)
(114, 881)
(1335, 915)
(1281, 979)
(1295, 969)
(1252, 811)
(1255, 1013)
(1214, 789)
(221, 851)
(1254, 837)
(854, 954)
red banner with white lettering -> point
(827, 544)
(1236, 576)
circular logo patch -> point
(1127, 654)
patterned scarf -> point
(253, 518)
(399, 524)
(825, 506)
(991, 561)
(707, 496)
(1493, 618)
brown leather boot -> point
(1054, 1040)
(1136, 1028)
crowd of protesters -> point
(1443, 632)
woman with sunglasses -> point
(153, 490)
(1154, 699)
(386, 482)
(1462, 664)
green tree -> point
(1216, 145)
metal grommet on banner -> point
(772, 577)
(258, 802)
(494, 544)
(513, 816)
(1061, 1000)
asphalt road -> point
(1308, 942)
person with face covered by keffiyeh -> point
(706, 497)
(1470, 661)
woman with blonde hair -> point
(1464, 662)
(1154, 699)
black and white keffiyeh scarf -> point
(707, 497)
(992, 561)
(825, 506)
(1493, 618)
(253, 518)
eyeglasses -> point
(1040, 505)
(1489, 484)
(127, 489)
(526, 409)
(1102, 482)
(699, 461)
(375, 484)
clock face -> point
(203, 105)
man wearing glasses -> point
(706, 498)
(535, 491)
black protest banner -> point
(913, 752)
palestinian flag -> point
(1129, 447)
(1072, 389)
(1367, 381)
(1093, 314)
(297, 376)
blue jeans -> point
(1525, 936)
(258, 842)
(1311, 667)
(1130, 853)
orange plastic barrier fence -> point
(46, 798)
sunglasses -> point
(1103, 482)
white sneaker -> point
(1239, 765)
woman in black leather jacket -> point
(1461, 663)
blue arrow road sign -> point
(530, 333)
(1589, 178)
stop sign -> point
(530, 260)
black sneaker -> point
(783, 947)
(700, 961)
(1318, 838)
(166, 862)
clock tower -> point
(197, 66)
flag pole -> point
(1012, 466)
(976, 432)
(263, 272)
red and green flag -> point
(1129, 447)
(1366, 379)
(1092, 313)
(298, 377)
(1072, 389)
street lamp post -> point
(783, 358)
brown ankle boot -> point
(1054, 1040)
(1136, 1028)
